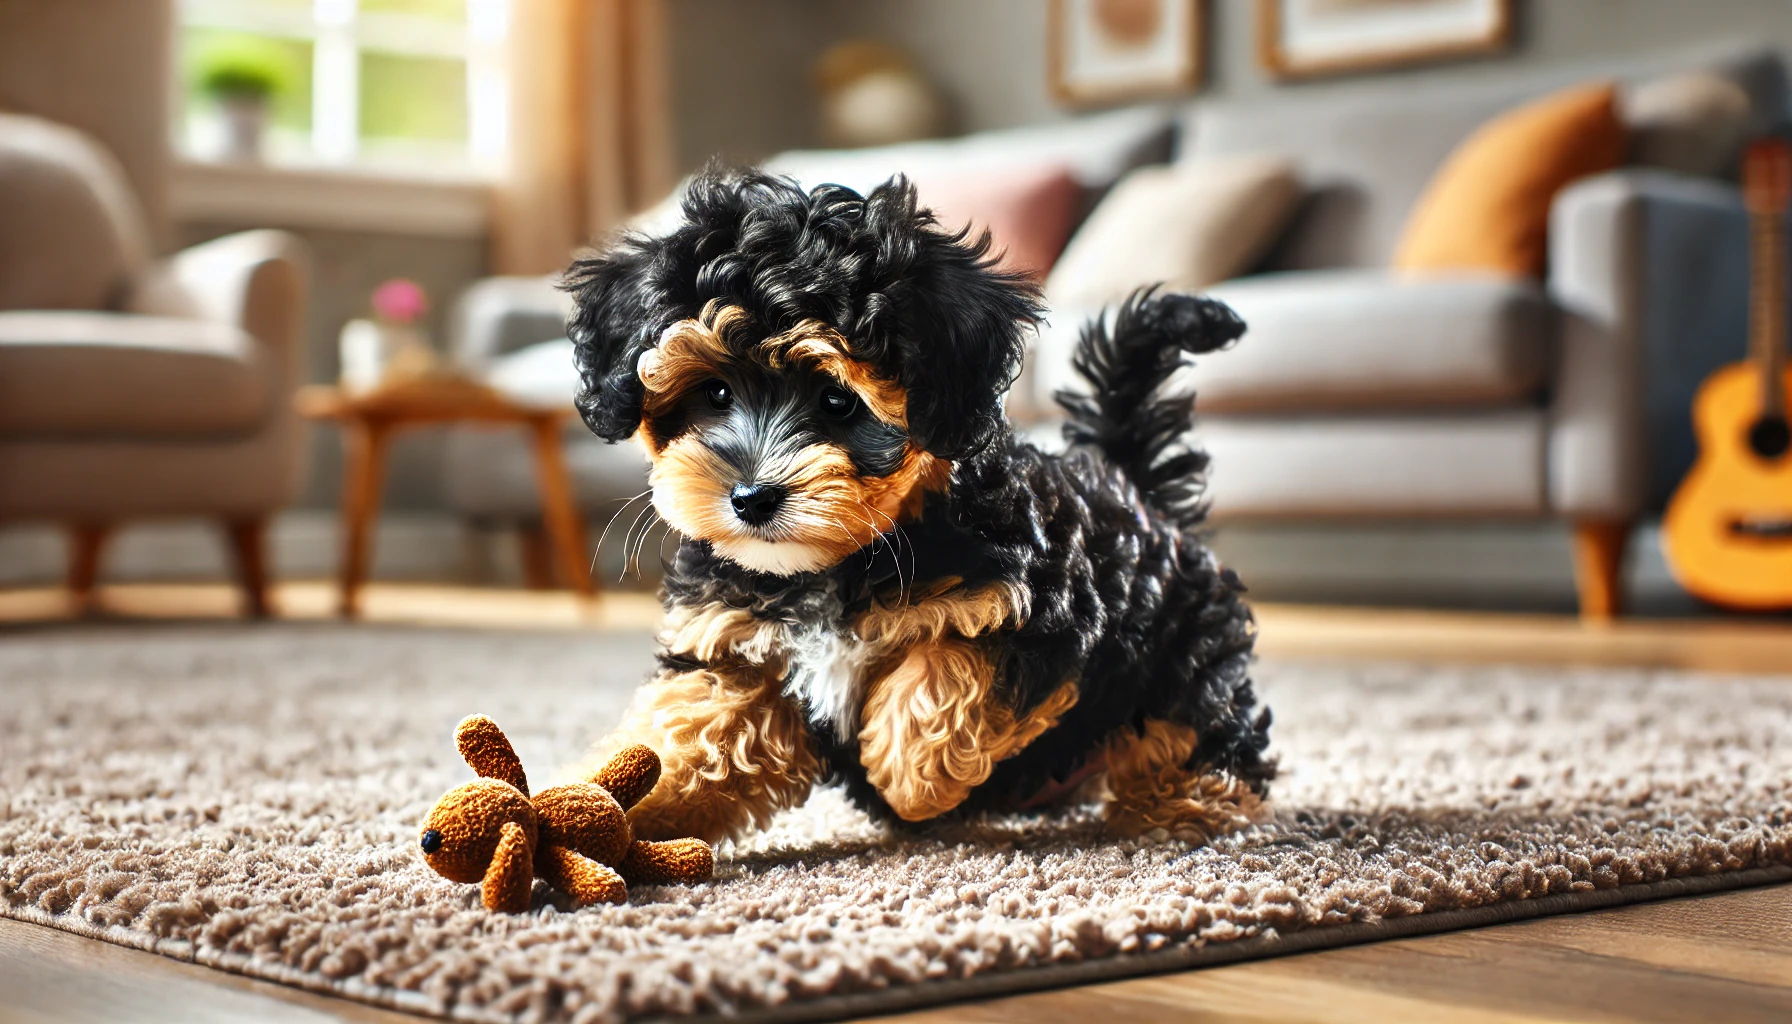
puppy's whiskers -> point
(648, 508)
(898, 539)
(641, 542)
(626, 502)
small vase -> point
(374, 354)
(245, 127)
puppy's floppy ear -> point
(615, 320)
(958, 324)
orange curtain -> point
(590, 133)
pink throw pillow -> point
(1028, 211)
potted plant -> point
(242, 80)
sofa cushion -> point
(1485, 463)
(1028, 211)
(1478, 462)
(541, 374)
(83, 374)
(1343, 339)
(1694, 122)
(1487, 207)
(1185, 226)
(496, 315)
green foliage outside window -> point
(446, 10)
(405, 97)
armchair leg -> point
(1599, 546)
(248, 548)
(538, 562)
(87, 542)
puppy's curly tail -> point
(1125, 415)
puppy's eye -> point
(432, 841)
(720, 395)
(838, 402)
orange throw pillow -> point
(1487, 207)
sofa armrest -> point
(502, 314)
(1650, 272)
(255, 280)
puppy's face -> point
(783, 452)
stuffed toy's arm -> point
(675, 860)
(584, 879)
(630, 775)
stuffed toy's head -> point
(801, 366)
(462, 833)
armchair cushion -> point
(71, 234)
(85, 374)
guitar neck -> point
(1767, 312)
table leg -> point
(558, 512)
(362, 478)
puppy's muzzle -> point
(756, 504)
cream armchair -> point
(131, 388)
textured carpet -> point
(248, 799)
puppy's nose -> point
(756, 504)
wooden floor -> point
(1725, 957)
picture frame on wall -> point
(1101, 52)
(1312, 38)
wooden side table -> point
(370, 420)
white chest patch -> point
(827, 673)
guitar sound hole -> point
(1770, 437)
(1765, 529)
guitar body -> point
(1727, 533)
(1728, 530)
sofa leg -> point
(1599, 546)
(86, 544)
(248, 549)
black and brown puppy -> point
(879, 582)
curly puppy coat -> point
(879, 582)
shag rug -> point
(248, 798)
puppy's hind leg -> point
(1153, 782)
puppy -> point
(879, 583)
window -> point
(412, 86)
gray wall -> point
(741, 67)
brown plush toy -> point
(576, 837)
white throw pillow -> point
(1186, 225)
(1694, 122)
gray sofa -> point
(1359, 394)
(511, 330)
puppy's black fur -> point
(1125, 598)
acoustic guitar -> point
(1728, 530)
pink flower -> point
(399, 301)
